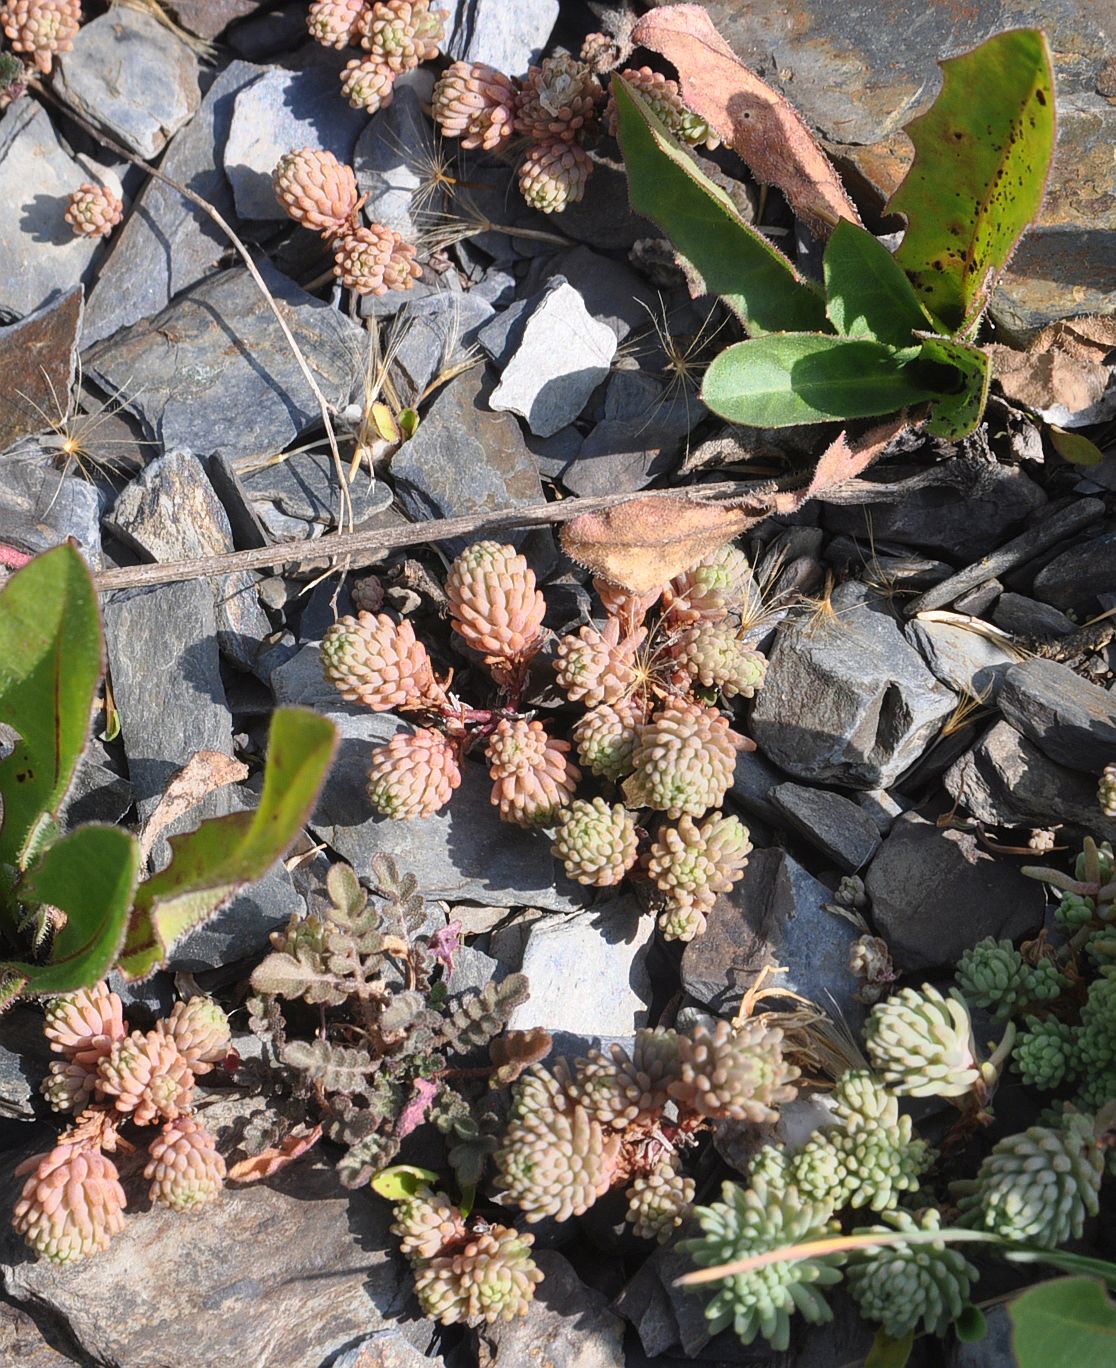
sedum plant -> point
(884, 331)
(73, 902)
(378, 1051)
(650, 737)
(112, 1078)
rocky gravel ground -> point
(939, 698)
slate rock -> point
(568, 1325)
(462, 854)
(1071, 720)
(775, 915)
(38, 357)
(964, 521)
(299, 683)
(1022, 616)
(247, 1287)
(298, 496)
(166, 678)
(435, 334)
(133, 77)
(753, 781)
(278, 112)
(97, 793)
(963, 660)
(171, 512)
(613, 292)
(603, 217)
(848, 700)
(562, 357)
(22, 1342)
(41, 506)
(213, 371)
(500, 337)
(841, 830)
(1006, 780)
(473, 969)
(167, 243)
(587, 971)
(934, 892)
(622, 455)
(42, 257)
(509, 39)
(24, 1062)
(1076, 578)
(465, 459)
(385, 1349)
(210, 18)
(389, 156)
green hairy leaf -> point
(90, 875)
(734, 261)
(867, 293)
(50, 667)
(478, 1017)
(954, 415)
(1066, 1323)
(210, 864)
(982, 155)
(796, 378)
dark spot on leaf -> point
(1040, 96)
(24, 775)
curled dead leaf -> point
(270, 1161)
(643, 543)
(761, 125)
(1064, 373)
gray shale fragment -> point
(214, 373)
(935, 892)
(132, 76)
(562, 357)
(848, 700)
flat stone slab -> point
(42, 257)
(214, 373)
(507, 37)
(835, 825)
(38, 356)
(462, 854)
(934, 892)
(133, 77)
(1071, 720)
(562, 357)
(281, 1274)
(166, 243)
(279, 112)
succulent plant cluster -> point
(623, 1120)
(73, 1203)
(394, 37)
(549, 115)
(40, 29)
(469, 1273)
(93, 210)
(384, 1063)
(1037, 1186)
(647, 677)
(320, 193)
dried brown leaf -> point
(1063, 370)
(270, 1161)
(643, 543)
(760, 124)
(205, 772)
